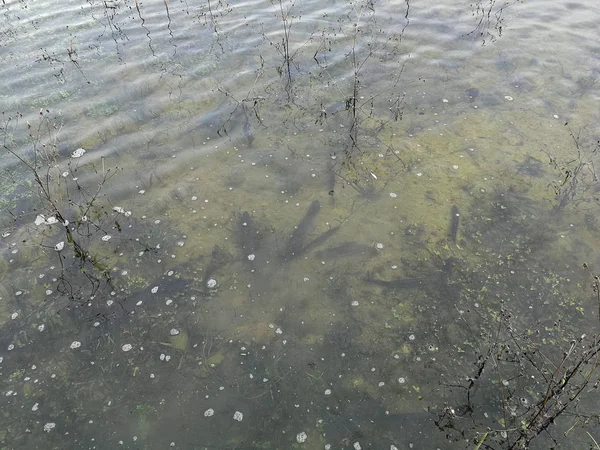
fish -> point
(295, 244)
(330, 174)
(218, 259)
(399, 283)
(346, 249)
(473, 93)
(454, 222)
(247, 234)
(320, 239)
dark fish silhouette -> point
(295, 244)
(346, 249)
(454, 222)
(400, 283)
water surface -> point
(293, 225)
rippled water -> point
(336, 224)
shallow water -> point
(320, 215)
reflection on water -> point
(284, 225)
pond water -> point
(299, 224)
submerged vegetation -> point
(303, 231)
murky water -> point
(297, 225)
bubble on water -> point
(327, 391)
(142, 192)
(251, 257)
(279, 331)
(420, 174)
(168, 358)
(41, 327)
(301, 437)
(444, 100)
(401, 380)
(354, 303)
(49, 426)
(411, 337)
(118, 209)
(106, 238)
(211, 283)
(162, 357)
(168, 302)
(48, 291)
(14, 315)
(357, 446)
(555, 116)
(455, 167)
(381, 384)
(393, 447)
(127, 347)
(154, 290)
(393, 195)
(379, 245)
(78, 153)
(508, 97)
(238, 416)
(75, 344)
(174, 331)
(40, 219)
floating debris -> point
(238, 416)
(174, 331)
(127, 347)
(49, 426)
(301, 437)
(58, 247)
(508, 97)
(75, 344)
